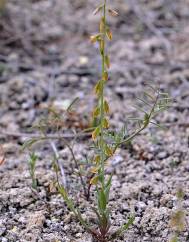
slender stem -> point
(74, 159)
(138, 131)
(57, 158)
(102, 95)
(79, 172)
(130, 137)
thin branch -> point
(57, 157)
(77, 167)
(39, 136)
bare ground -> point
(45, 56)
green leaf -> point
(128, 224)
(104, 222)
(146, 120)
(72, 104)
(63, 192)
(71, 206)
(140, 109)
(29, 143)
(98, 9)
(145, 102)
(32, 160)
(158, 125)
(123, 228)
(108, 186)
(149, 96)
(102, 200)
(174, 239)
(32, 165)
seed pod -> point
(95, 38)
(101, 42)
(96, 112)
(105, 123)
(97, 88)
(97, 159)
(105, 76)
(94, 180)
(2, 155)
(107, 61)
(106, 107)
(94, 170)
(109, 34)
(108, 151)
(113, 12)
(95, 133)
(102, 25)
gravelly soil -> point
(54, 62)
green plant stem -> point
(79, 173)
(102, 100)
(77, 166)
(123, 228)
(138, 131)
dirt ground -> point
(46, 57)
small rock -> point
(141, 205)
(4, 239)
(162, 155)
(167, 200)
(37, 219)
(2, 229)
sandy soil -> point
(46, 57)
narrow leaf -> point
(72, 103)
(98, 9)
(113, 12)
(95, 133)
(94, 180)
(102, 200)
(123, 228)
(158, 125)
